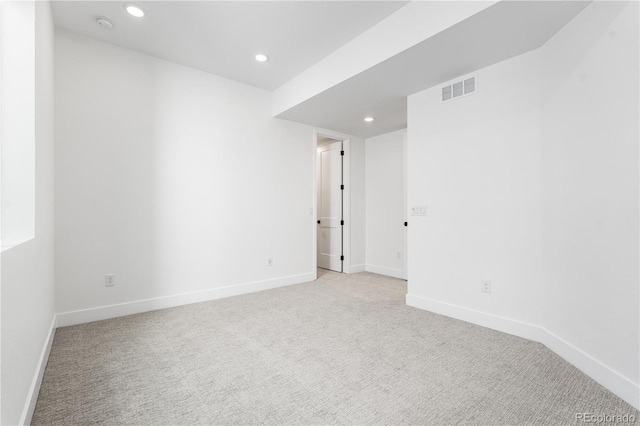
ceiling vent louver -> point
(458, 89)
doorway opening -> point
(331, 200)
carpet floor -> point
(344, 349)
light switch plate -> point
(418, 210)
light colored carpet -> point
(342, 350)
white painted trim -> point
(32, 396)
(383, 270)
(314, 201)
(346, 206)
(112, 311)
(495, 322)
(354, 269)
(598, 371)
(405, 204)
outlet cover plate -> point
(110, 280)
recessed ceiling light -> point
(134, 10)
(262, 58)
(368, 119)
(104, 23)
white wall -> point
(532, 183)
(385, 204)
(28, 269)
(475, 163)
(175, 180)
(590, 185)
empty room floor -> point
(344, 349)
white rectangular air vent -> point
(459, 88)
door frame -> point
(405, 207)
(346, 197)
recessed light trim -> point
(134, 10)
(368, 119)
(260, 57)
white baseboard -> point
(390, 272)
(354, 269)
(598, 371)
(495, 322)
(112, 311)
(34, 390)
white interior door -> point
(330, 206)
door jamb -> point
(405, 208)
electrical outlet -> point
(398, 255)
(110, 280)
(269, 261)
(486, 286)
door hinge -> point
(342, 187)
(342, 222)
(341, 257)
(341, 152)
